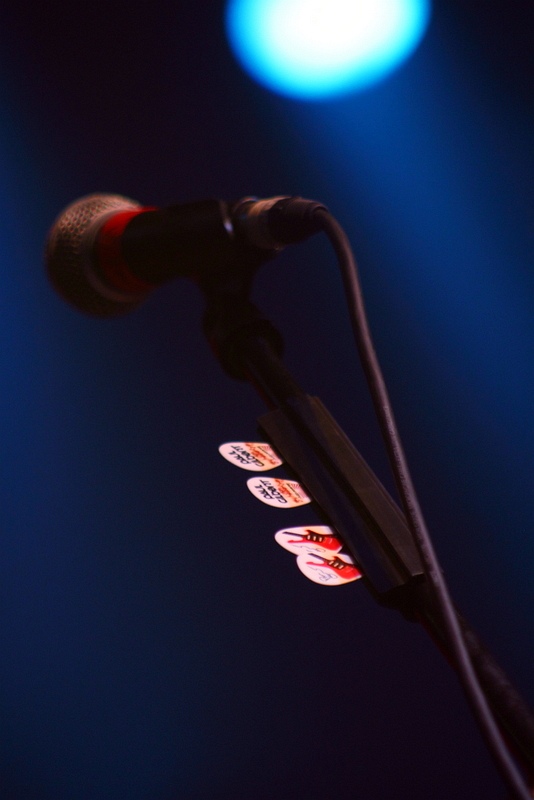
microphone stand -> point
(349, 496)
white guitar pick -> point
(319, 539)
(278, 492)
(254, 456)
(333, 571)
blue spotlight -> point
(314, 49)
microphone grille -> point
(68, 255)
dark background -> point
(156, 643)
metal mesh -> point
(68, 261)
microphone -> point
(105, 252)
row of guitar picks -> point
(318, 548)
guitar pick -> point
(278, 492)
(319, 539)
(330, 571)
(254, 456)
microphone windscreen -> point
(71, 260)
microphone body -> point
(106, 252)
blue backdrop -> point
(155, 641)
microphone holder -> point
(347, 493)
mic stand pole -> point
(348, 494)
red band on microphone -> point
(110, 260)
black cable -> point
(373, 373)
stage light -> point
(315, 49)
